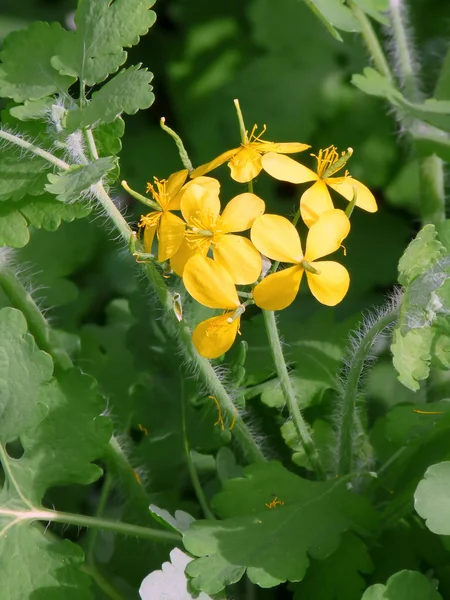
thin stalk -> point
(179, 142)
(102, 583)
(92, 522)
(191, 467)
(371, 40)
(403, 50)
(242, 130)
(289, 392)
(350, 395)
(93, 533)
(432, 206)
(91, 143)
(14, 139)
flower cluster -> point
(215, 250)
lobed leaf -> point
(334, 15)
(69, 185)
(405, 585)
(420, 255)
(432, 498)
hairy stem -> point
(14, 139)
(350, 392)
(403, 50)
(289, 392)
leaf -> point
(108, 137)
(412, 355)
(59, 426)
(310, 516)
(76, 181)
(376, 9)
(129, 91)
(411, 424)
(25, 70)
(405, 585)
(170, 583)
(432, 498)
(180, 522)
(334, 15)
(103, 28)
(442, 91)
(420, 255)
(338, 577)
(324, 440)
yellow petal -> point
(331, 285)
(282, 148)
(327, 233)
(150, 224)
(170, 235)
(215, 336)
(199, 203)
(208, 183)
(286, 169)
(241, 211)
(210, 283)
(344, 186)
(149, 235)
(315, 201)
(245, 164)
(277, 291)
(277, 238)
(207, 167)
(185, 252)
(240, 257)
(175, 183)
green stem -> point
(242, 130)
(91, 143)
(140, 197)
(289, 392)
(191, 467)
(147, 533)
(178, 141)
(371, 41)
(432, 204)
(403, 51)
(93, 533)
(103, 584)
(14, 139)
(350, 393)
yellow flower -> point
(200, 207)
(245, 161)
(211, 285)
(277, 238)
(168, 227)
(317, 199)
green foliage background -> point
(290, 74)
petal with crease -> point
(149, 235)
(277, 291)
(327, 233)
(215, 336)
(241, 211)
(170, 235)
(240, 257)
(331, 284)
(282, 148)
(213, 164)
(210, 283)
(174, 185)
(187, 251)
(245, 165)
(315, 201)
(364, 197)
(276, 238)
(285, 168)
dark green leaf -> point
(406, 585)
(70, 185)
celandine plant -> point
(299, 490)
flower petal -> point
(364, 197)
(281, 148)
(170, 235)
(331, 285)
(208, 183)
(245, 164)
(276, 238)
(315, 201)
(215, 336)
(187, 251)
(327, 233)
(175, 183)
(285, 168)
(241, 211)
(240, 257)
(149, 235)
(199, 203)
(277, 291)
(213, 164)
(210, 283)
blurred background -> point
(292, 76)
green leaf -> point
(252, 537)
(179, 522)
(76, 181)
(61, 431)
(33, 109)
(335, 15)
(95, 49)
(338, 577)
(129, 91)
(373, 83)
(405, 585)
(412, 355)
(377, 9)
(432, 498)
(324, 440)
(420, 255)
(442, 91)
(108, 137)
(413, 423)
(25, 71)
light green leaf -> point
(377, 9)
(432, 498)
(71, 184)
(33, 109)
(180, 522)
(129, 91)
(25, 71)
(37, 410)
(310, 516)
(335, 15)
(13, 227)
(420, 255)
(442, 91)
(374, 84)
(324, 440)
(412, 355)
(338, 577)
(405, 585)
(95, 49)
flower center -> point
(329, 161)
(256, 138)
(159, 191)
